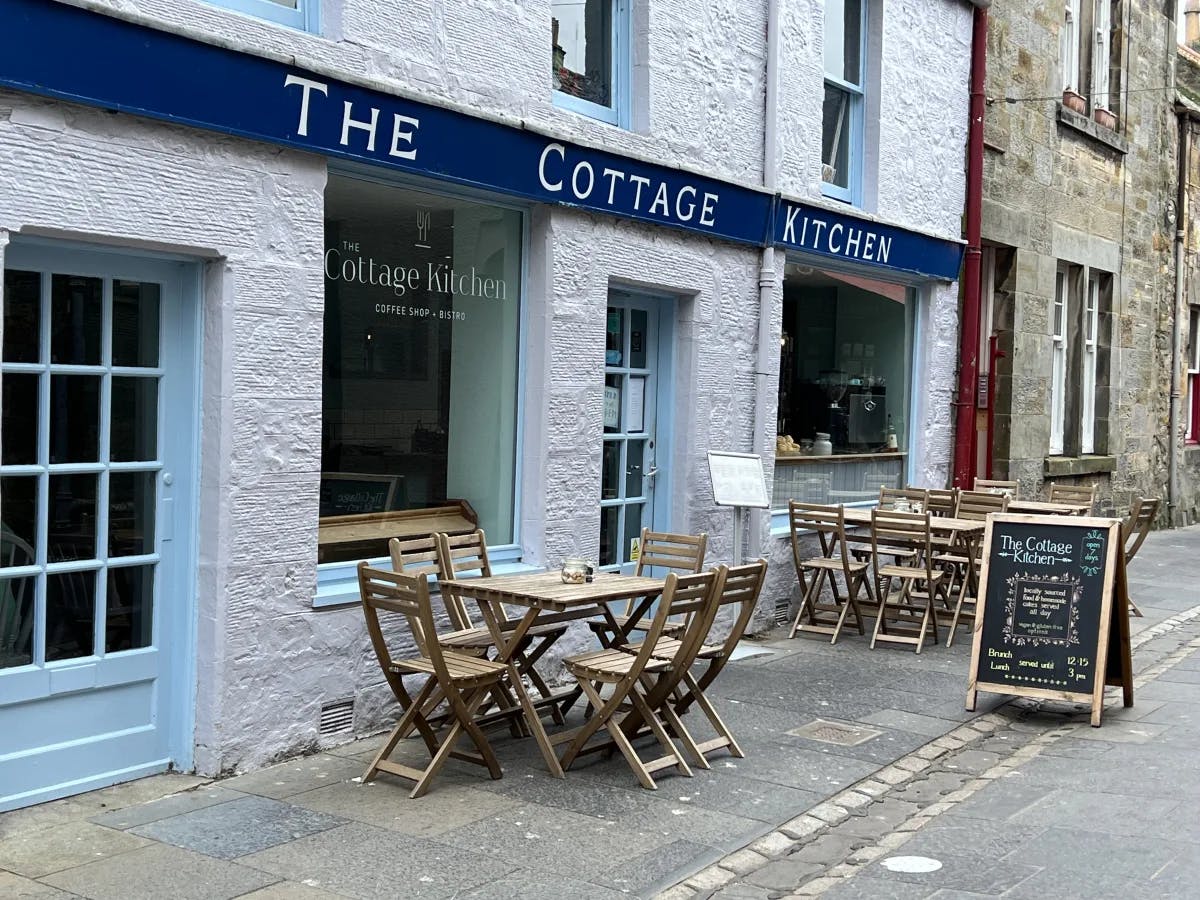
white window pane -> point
(582, 34)
(843, 40)
(1194, 337)
(835, 136)
(1069, 45)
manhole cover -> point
(840, 733)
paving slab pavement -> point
(926, 770)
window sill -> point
(342, 592)
(1089, 128)
(1060, 466)
(790, 458)
(609, 115)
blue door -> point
(97, 487)
(634, 478)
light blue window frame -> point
(622, 69)
(305, 17)
(337, 582)
(852, 194)
(921, 299)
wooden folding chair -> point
(738, 592)
(635, 677)
(464, 681)
(962, 568)
(941, 502)
(1074, 493)
(996, 486)
(1134, 529)
(908, 499)
(466, 554)
(910, 616)
(682, 554)
(814, 614)
(893, 498)
(420, 556)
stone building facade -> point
(1079, 194)
(256, 176)
(1188, 373)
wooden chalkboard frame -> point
(1113, 657)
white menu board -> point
(737, 479)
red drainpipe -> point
(968, 341)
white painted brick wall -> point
(254, 215)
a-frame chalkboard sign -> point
(1052, 619)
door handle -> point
(652, 471)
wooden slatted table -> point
(547, 600)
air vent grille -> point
(337, 717)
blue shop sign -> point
(848, 239)
(63, 51)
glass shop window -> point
(422, 303)
(845, 359)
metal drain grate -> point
(840, 733)
(337, 717)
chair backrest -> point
(812, 488)
(1138, 524)
(942, 502)
(873, 481)
(690, 600)
(900, 530)
(1073, 493)
(827, 522)
(462, 554)
(888, 497)
(407, 595)
(682, 553)
(996, 486)
(738, 593)
(418, 556)
(978, 505)
(16, 602)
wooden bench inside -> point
(365, 535)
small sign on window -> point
(612, 407)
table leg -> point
(506, 643)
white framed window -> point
(1091, 334)
(1101, 53)
(842, 114)
(302, 14)
(1193, 377)
(590, 68)
(1058, 362)
(1068, 48)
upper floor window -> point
(1079, 351)
(302, 14)
(842, 118)
(1193, 376)
(590, 69)
(1089, 58)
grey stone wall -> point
(1060, 187)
